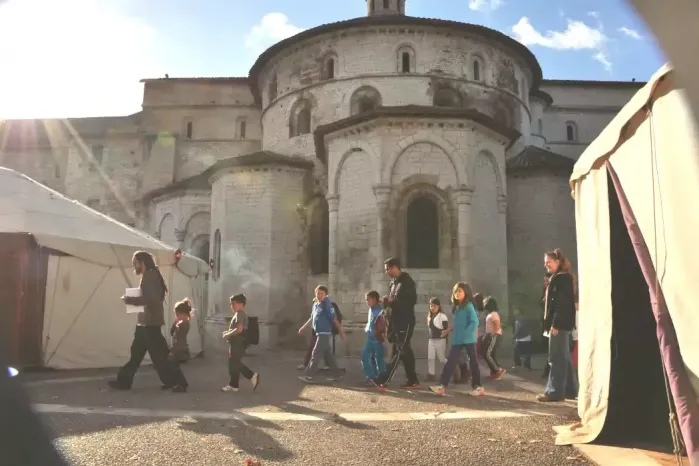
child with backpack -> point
(373, 356)
(323, 319)
(235, 335)
(437, 323)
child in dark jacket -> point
(179, 352)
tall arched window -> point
(571, 131)
(272, 88)
(330, 68)
(423, 234)
(242, 128)
(405, 59)
(365, 99)
(477, 69)
(217, 255)
(406, 62)
(319, 237)
(446, 97)
(300, 119)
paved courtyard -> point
(286, 422)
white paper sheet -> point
(133, 293)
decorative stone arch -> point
(405, 58)
(355, 145)
(430, 138)
(500, 187)
(200, 246)
(365, 99)
(198, 224)
(300, 116)
(167, 216)
(413, 190)
(329, 65)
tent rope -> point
(75, 320)
(677, 441)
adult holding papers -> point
(146, 300)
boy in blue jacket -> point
(464, 330)
(373, 359)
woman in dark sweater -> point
(559, 322)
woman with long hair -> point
(148, 337)
(464, 329)
(559, 322)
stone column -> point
(504, 301)
(333, 204)
(463, 198)
(383, 234)
(180, 235)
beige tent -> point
(65, 266)
(636, 192)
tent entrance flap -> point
(637, 408)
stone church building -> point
(387, 135)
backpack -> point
(381, 327)
(252, 333)
(338, 314)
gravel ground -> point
(215, 443)
(108, 439)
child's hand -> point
(445, 333)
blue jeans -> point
(373, 358)
(563, 379)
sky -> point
(79, 58)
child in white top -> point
(437, 322)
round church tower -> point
(385, 7)
(407, 122)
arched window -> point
(405, 62)
(477, 69)
(189, 129)
(406, 59)
(571, 131)
(242, 128)
(300, 122)
(540, 125)
(272, 88)
(328, 66)
(217, 255)
(319, 237)
(446, 97)
(365, 99)
(423, 234)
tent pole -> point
(121, 267)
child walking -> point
(179, 352)
(373, 358)
(236, 341)
(464, 338)
(437, 322)
(323, 318)
(523, 341)
(493, 335)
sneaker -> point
(411, 385)
(229, 389)
(301, 367)
(438, 389)
(255, 379)
(499, 374)
(116, 385)
(478, 391)
(179, 389)
(376, 384)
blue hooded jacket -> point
(465, 325)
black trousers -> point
(236, 368)
(523, 353)
(400, 351)
(149, 339)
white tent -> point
(81, 266)
(636, 192)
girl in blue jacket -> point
(464, 329)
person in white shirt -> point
(437, 322)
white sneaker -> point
(478, 391)
(229, 389)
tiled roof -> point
(536, 158)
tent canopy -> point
(65, 225)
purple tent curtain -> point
(684, 398)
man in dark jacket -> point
(148, 337)
(401, 301)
